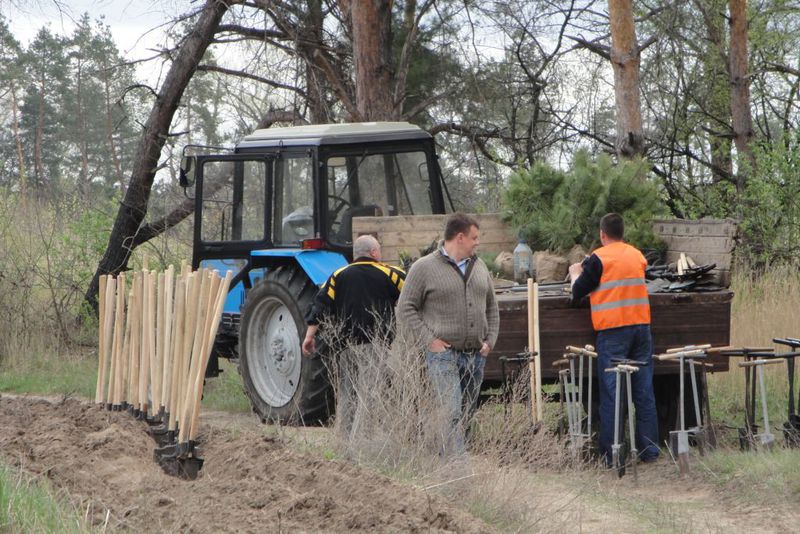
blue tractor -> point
(278, 211)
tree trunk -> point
(110, 131)
(372, 58)
(625, 62)
(83, 144)
(716, 79)
(740, 94)
(38, 162)
(23, 177)
(133, 207)
(315, 88)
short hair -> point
(363, 245)
(613, 225)
(458, 223)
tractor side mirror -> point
(186, 175)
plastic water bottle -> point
(523, 260)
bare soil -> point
(255, 481)
(250, 482)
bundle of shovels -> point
(156, 336)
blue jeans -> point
(456, 378)
(633, 343)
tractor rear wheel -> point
(282, 384)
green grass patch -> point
(764, 477)
(50, 376)
(224, 392)
(28, 505)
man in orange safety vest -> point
(613, 277)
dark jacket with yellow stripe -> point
(362, 296)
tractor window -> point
(234, 198)
(293, 217)
(374, 185)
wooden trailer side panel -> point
(677, 319)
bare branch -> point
(247, 75)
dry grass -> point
(524, 481)
(764, 307)
(398, 430)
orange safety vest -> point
(621, 298)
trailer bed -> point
(677, 319)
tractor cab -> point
(278, 211)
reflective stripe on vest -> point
(621, 297)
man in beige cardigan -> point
(448, 301)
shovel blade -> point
(766, 440)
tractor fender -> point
(317, 264)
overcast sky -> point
(134, 24)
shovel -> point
(679, 439)
(791, 428)
(747, 432)
(564, 412)
(588, 353)
(616, 448)
(766, 439)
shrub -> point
(554, 209)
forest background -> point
(697, 100)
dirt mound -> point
(250, 483)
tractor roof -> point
(333, 134)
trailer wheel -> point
(282, 384)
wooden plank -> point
(689, 244)
(411, 233)
(702, 227)
(408, 222)
(393, 238)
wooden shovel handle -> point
(678, 355)
(582, 351)
(688, 348)
(753, 363)
(742, 351)
(623, 367)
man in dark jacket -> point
(359, 300)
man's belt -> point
(467, 348)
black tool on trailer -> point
(750, 429)
(791, 427)
(626, 367)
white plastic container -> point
(523, 262)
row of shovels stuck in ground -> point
(577, 364)
(157, 332)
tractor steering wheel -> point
(334, 212)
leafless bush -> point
(389, 416)
(393, 422)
